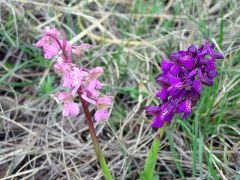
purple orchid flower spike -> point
(181, 80)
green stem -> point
(152, 156)
(98, 151)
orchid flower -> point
(181, 82)
(75, 79)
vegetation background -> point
(129, 38)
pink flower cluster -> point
(77, 80)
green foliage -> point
(47, 86)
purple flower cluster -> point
(181, 81)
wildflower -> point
(95, 73)
(101, 115)
(76, 80)
(70, 108)
(181, 80)
(103, 103)
(78, 50)
(48, 43)
(73, 78)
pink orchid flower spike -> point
(77, 81)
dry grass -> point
(129, 39)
